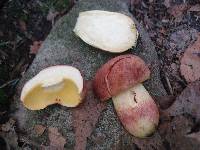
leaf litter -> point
(190, 62)
(85, 117)
(182, 114)
(57, 141)
(179, 123)
(39, 129)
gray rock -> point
(63, 47)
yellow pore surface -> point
(64, 93)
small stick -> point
(169, 85)
(9, 82)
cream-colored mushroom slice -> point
(109, 31)
(56, 84)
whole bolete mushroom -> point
(56, 84)
(121, 78)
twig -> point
(168, 84)
(9, 82)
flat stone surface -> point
(62, 46)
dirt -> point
(173, 26)
(24, 25)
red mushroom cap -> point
(119, 74)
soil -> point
(22, 23)
(173, 26)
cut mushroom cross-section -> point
(56, 84)
(109, 31)
(121, 78)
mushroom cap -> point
(109, 31)
(60, 84)
(119, 74)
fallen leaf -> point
(11, 139)
(174, 131)
(179, 125)
(175, 46)
(85, 117)
(195, 8)
(57, 141)
(177, 11)
(151, 1)
(39, 129)
(153, 142)
(195, 136)
(35, 47)
(8, 125)
(188, 102)
(167, 3)
(179, 41)
(22, 25)
(135, 2)
(190, 62)
(165, 101)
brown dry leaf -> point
(174, 133)
(11, 139)
(186, 113)
(167, 3)
(128, 142)
(165, 101)
(135, 2)
(22, 25)
(153, 142)
(35, 47)
(190, 62)
(39, 129)
(151, 1)
(177, 11)
(195, 8)
(57, 141)
(195, 136)
(85, 117)
(8, 125)
(188, 102)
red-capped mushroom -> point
(121, 78)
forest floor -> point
(173, 25)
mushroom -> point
(121, 78)
(109, 31)
(56, 84)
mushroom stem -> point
(137, 111)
